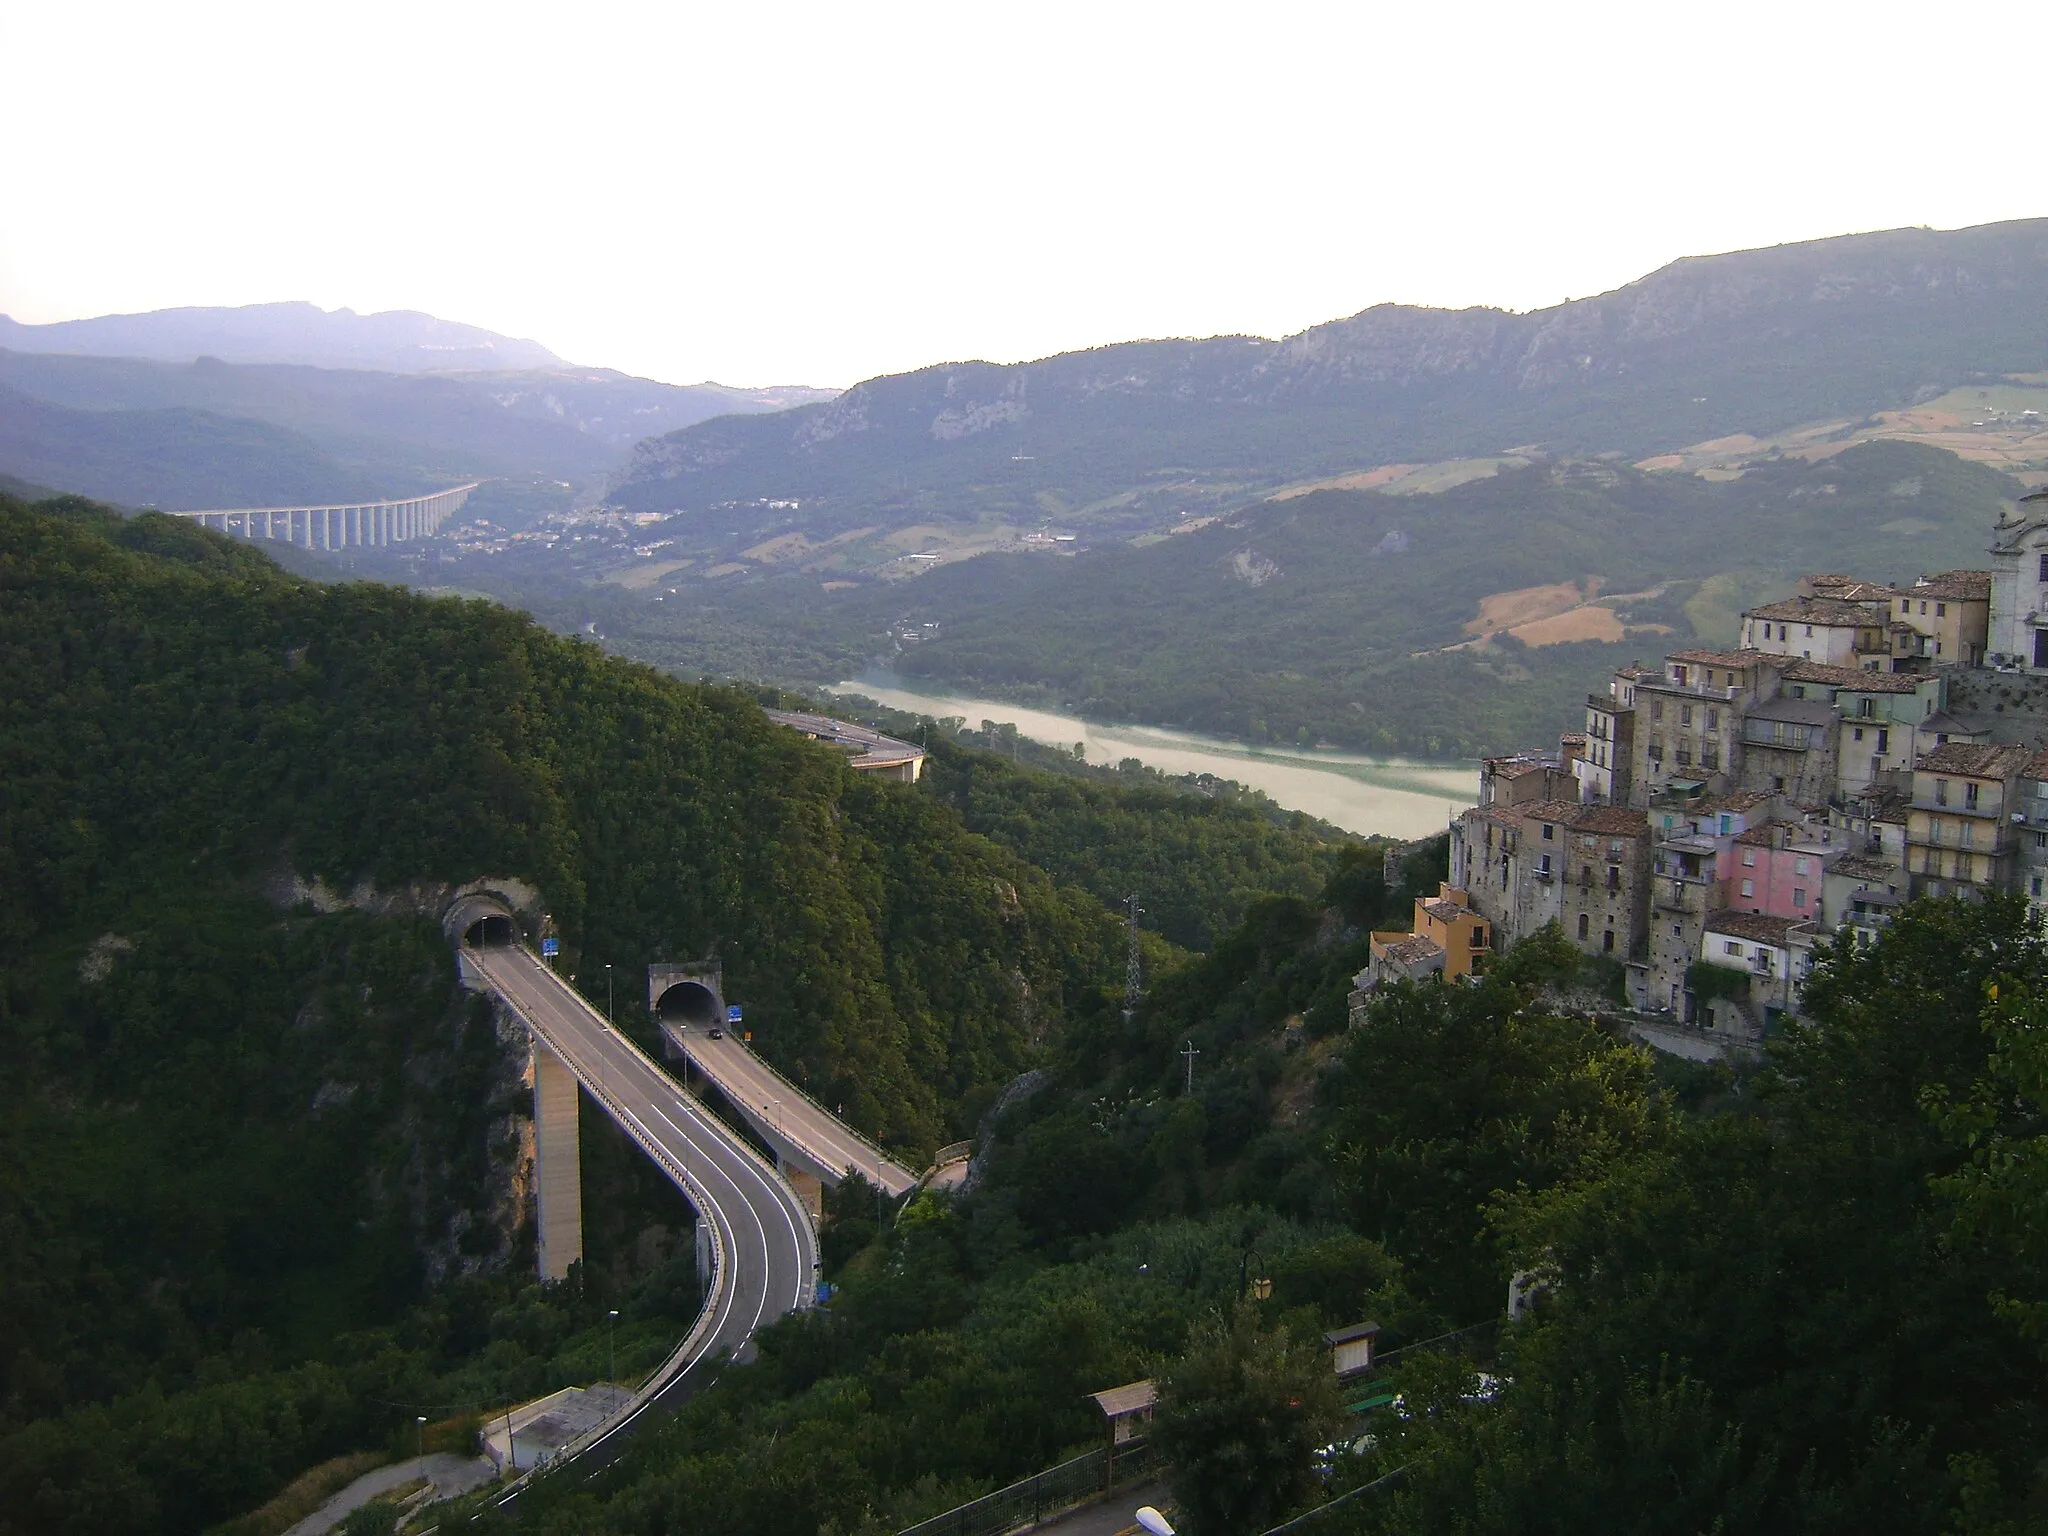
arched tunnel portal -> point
(690, 1002)
(482, 922)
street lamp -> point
(421, 1422)
(1259, 1286)
(608, 992)
(611, 1345)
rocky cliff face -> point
(1858, 305)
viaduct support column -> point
(557, 1175)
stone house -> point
(1830, 630)
(1942, 620)
(1604, 901)
(1604, 771)
(1774, 955)
(2029, 821)
(1688, 719)
(1585, 868)
(1400, 957)
(1524, 779)
(1448, 941)
(1958, 836)
(1864, 893)
(1791, 747)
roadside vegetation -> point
(254, 1155)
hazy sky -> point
(764, 193)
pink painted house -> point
(1777, 869)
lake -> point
(1394, 797)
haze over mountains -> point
(285, 402)
(395, 341)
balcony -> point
(1759, 733)
(1693, 689)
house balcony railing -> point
(1701, 690)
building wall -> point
(1681, 736)
(2018, 591)
(1604, 772)
(1782, 882)
(1952, 848)
(1605, 899)
(1833, 644)
(1953, 630)
(1463, 937)
(1810, 776)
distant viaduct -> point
(350, 525)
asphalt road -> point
(757, 1088)
(770, 1249)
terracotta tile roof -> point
(1975, 760)
(2037, 766)
(1549, 810)
(1720, 658)
(1858, 678)
(1499, 815)
(1966, 586)
(1858, 866)
(1847, 588)
(1514, 767)
(1757, 927)
(1444, 910)
(1815, 610)
(1416, 949)
(1765, 836)
(1611, 821)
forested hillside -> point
(256, 1156)
(1805, 1298)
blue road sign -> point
(732, 1013)
(551, 947)
(824, 1291)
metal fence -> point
(1309, 1519)
(1041, 1494)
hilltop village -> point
(1723, 815)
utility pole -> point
(1189, 1053)
(1134, 976)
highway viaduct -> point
(760, 1216)
(345, 525)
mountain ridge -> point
(294, 331)
(1703, 347)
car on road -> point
(715, 1032)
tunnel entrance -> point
(494, 931)
(691, 1003)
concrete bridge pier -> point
(558, 1174)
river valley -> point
(1391, 797)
